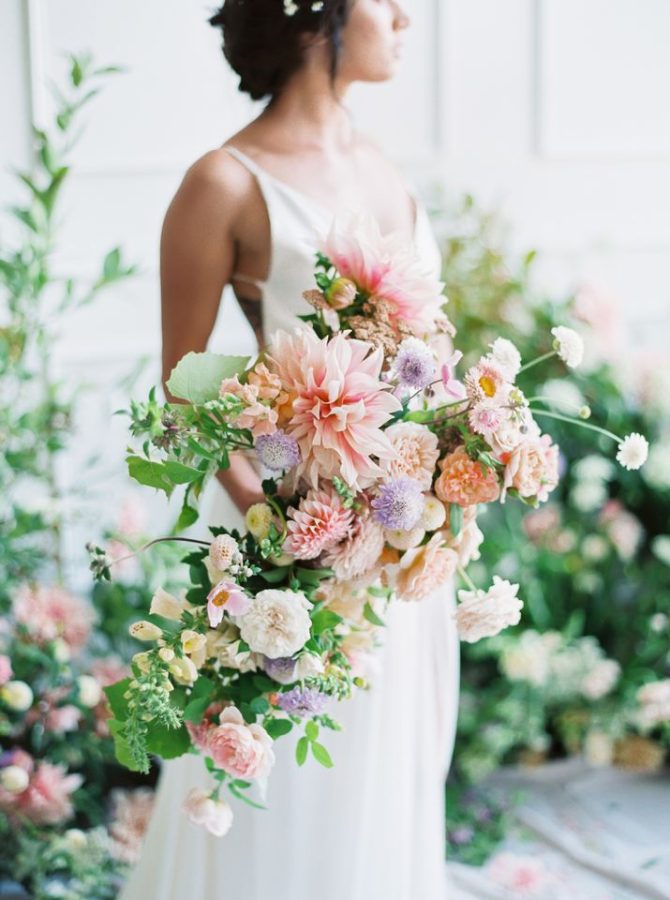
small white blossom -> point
(569, 345)
(506, 355)
(633, 451)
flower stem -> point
(466, 578)
(535, 362)
(580, 422)
(158, 541)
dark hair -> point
(263, 44)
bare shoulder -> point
(218, 174)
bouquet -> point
(376, 456)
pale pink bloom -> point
(450, 383)
(241, 750)
(532, 469)
(131, 813)
(539, 523)
(483, 614)
(226, 596)
(338, 405)
(416, 452)
(623, 529)
(360, 552)
(601, 679)
(266, 384)
(601, 310)
(424, 569)
(465, 481)
(108, 670)
(523, 875)
(258, 417)
(199, 733)
(61, 719)
(654, 699)
(126, 568)
(46, 800)
(202, 809)
(319, 522)
(51, 612)
(5, 669)
(388, 268)
(486, 381)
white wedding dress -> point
(372, 827)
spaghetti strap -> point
(249, 279)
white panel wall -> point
(555, 110)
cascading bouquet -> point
(375, 458)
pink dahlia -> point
(46, 799)
(48, 613)
(361, 550)
(387, 268)
(319, 522)
(336, 405)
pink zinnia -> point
(46, 800)
(50, 612)
(465, 481)
(319, 522)
(388, 268)
(337, 405)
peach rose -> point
(241, 750)
(532, 469)
(424, 569)
(417, 452)
(465, 481)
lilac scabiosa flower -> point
(278, 451)
(281, 669)
(399, 504)
(303, 701)
(414, 365)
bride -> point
(250, 214)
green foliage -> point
(198, 376)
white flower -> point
(404, 540)
(594, 547)
(658, 622)
(569, 345)
(587, 496)
(222, 551)
(594, 468)
(184, 670)
(307, 666)
(601, 679)
(657, 470)
(169, 607)
(633, 451)
(485, 613)
(277, 623)
(145, 631)
(75, 839)
(564, 393)
(506, 355)
(434, 513)
(17, 695)
(660, 547)
(90, 691)
(14, 779)
(214, 815)
(526, 659)
(654, 699)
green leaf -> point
(197, 376)
(168, 743)
(198, 700)
(121, 748)
(311, 730)
(301, 749)
(118, 704)
(278, 727)
(321, 755)
(152, 474)
(111, 264)
(371, 615)
(181, 474)
(324, 620)
(275, 576)
(187, 517)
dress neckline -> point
(284, 185)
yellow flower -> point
(258, 520)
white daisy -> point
(569, 345)
(633, 451)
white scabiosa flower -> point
(14, 779)
(569, 345)
(633, 451)
(506, 355)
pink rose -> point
(532, 469)
(5, 669)
(465, 481)
(202, 809)
(241, 750)
(424, 569)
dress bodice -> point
(297, 222)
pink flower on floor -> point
(51, 612)
(319, 522)
(532, 469)
(241, 750)
(387, 268)
(522, 874)
(338, 405)
(5, 669)
(424, 569)
(46, 800)
(465, 481)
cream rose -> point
(277, 623)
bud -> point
(184, 670)
(142, 662)
(90, 692)
(341, 293)
(166, 654)
(145, 631)
(585, 412)
(17, 695)
(14, 779)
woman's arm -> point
(197, 255)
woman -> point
(249, 214)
